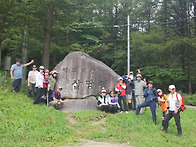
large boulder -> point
(81, 76)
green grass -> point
(135, 130)
(25, 124)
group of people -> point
(143, 95)
(41, 82)
(131, 90)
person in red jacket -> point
(120, 89)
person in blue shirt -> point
(150, 94)
(16, 74)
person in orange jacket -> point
(162, 98)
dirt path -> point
(90, 143)
(190, 107)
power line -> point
(95, 41)
(125, 25)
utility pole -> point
(128, 45)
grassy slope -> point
(135, 130)
(24, 124)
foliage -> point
(163, 33)
(190, 99)
(164, 77)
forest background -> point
(162, 35)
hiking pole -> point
(47, 94)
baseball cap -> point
(172, 87)
(131, 72)
(103, 91)
(151, 82)
(159, 90)
(120, 78)
(60, 88)
(41, 67)
(46, 70)
(139, 75)
(18, 60)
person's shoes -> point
(130, 110)
(121, 111)
(162, 127)
(134, 109)
(126, 112)
(165, 131)
(13, 90)
(179, 134)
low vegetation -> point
(25, 124)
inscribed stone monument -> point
(81, 76)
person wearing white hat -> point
(103, 102)
(52, 82)
(39, 85)
(173, 109)
(139, 91)
(120, 89)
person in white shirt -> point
(32, 80)
(174, 102)
(39, 85)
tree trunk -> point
(24, 56)
(0, 49)
(47, 38)
(195, 17)
(165, 15)
(189, 72)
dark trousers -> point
(104, 108)
(38, 95)
(113, 108)
(177, 120)
(133, 99)
(32, 88)
(16, 85)
(152, 106)
(123, 98)
(50, 93)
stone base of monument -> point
(72, 105)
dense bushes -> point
(190, 99)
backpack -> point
(182, 107)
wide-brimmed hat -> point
(54, 71)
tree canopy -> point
(162, 32)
